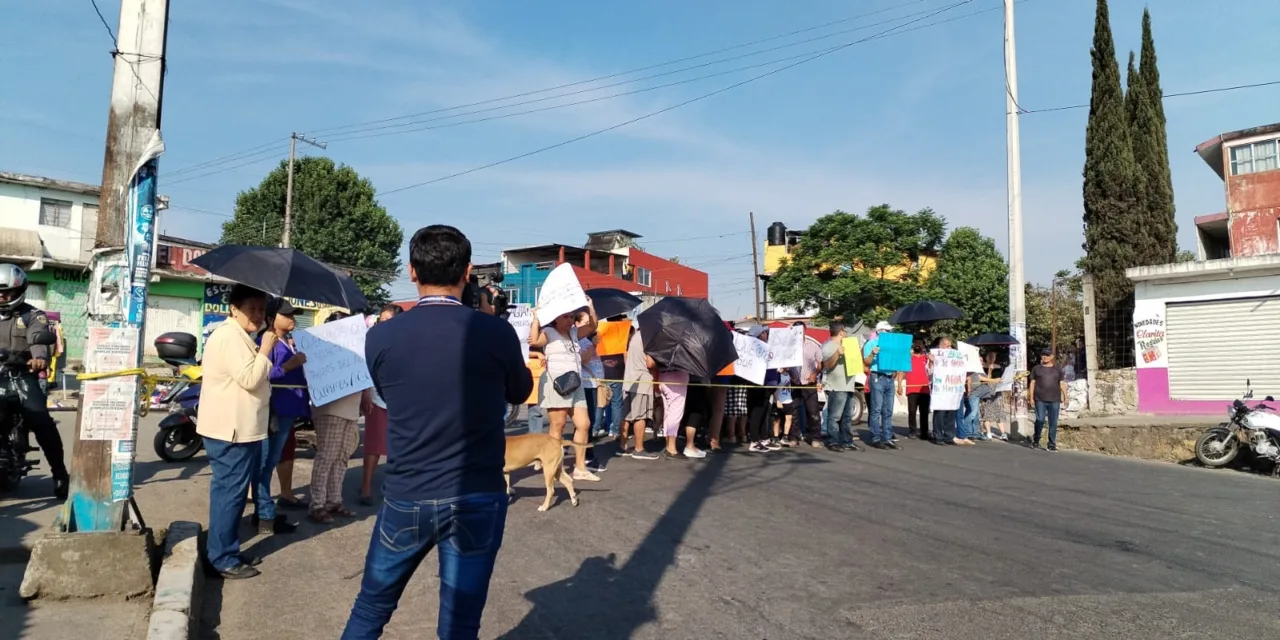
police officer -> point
(19, 323)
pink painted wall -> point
(1153, 397)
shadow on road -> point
(626, 592)
(14, 611)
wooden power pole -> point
(288, 190)
(755, 266)
(107, 418)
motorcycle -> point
(1255, 427)
(177, 440)
(14, 446)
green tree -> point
(973, 276)
(1185, 255)
(1059, 305)
(1111, 198)
(860, 267)
(1151, 152)
(336, 219)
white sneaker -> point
(694, 453)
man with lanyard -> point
(19, 322)
(880, 416)
(447, 374)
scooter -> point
(177, 440)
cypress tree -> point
(1111, 217)
(1158, 178)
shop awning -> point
(21, 245)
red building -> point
(1248, 161)
(610, 259)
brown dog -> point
(541, 448)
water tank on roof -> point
(777, 235)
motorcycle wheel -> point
(1217, 447)
(859, 410)
(170, 447)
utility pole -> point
(288, 190)
(755, 266)
(1017, 291)
(1053, 314)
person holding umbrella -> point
(564, 398)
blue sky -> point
(914, 120)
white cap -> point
(883, 326)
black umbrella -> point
(687, 334)
(924, 312)
(992, 340)
(612, 302)
(283, 272)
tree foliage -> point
(1151, 152)
(859, 266)
(973, 276)
(1060, 305)
(336, 219)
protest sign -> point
(521, 317)
(786, 347)
(335, 365)
(947, 383)
(753, 358)
(1006, 381)
(561, 293)
(972, 357)
(853, 365)
(895, 352)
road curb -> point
(175, 611)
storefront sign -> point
(1149, 335)
(217, 303)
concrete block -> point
(90, 565)
(175, 611)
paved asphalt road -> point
(989, 542)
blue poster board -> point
(895, 352)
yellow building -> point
(780, 242)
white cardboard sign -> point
(753, 358)
(335, 365)
(561, 293)
(786, 347)
(521, 317)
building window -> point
(1254, 158)
(513, 295)
(679, 290)
(644, 277)
(55, 213)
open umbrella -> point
(612, 302)
(992, 340)
(283, 272)
(687, 334)
(925, 312)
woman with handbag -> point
(564, 397)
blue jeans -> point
(968, 424)
(272, 449)
(468, 530)
(944, 426)
(880, 411)
(614, 410)
(840, 417)
(536, 419)
(234, 465)
(1049, 410)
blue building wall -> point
(523, 287)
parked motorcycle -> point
(1256, 427)
(14, 446)
(177, 439)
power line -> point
(624, 73)
(692, 100)
(104, 22)
(1167, 96)
(229, 157)
(356, 133)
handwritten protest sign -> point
(335, 365)
(786, 347)
(1006, 381)
(753, 358)
(972, 358)
(521, 317)
(895, 352)
(947, 384)
(561, 293)
(853, 365)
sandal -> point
(341, 512)
(320, 517)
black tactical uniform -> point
(17, 330)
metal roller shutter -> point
(304, 320)
(168, 313)
(37, 295)
(1215, 347)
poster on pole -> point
(335, 365)
(521, 317)
(753, 358)
(108, 408)
(786, 347)
(947, 383)
(111, 349)
(561, 293)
